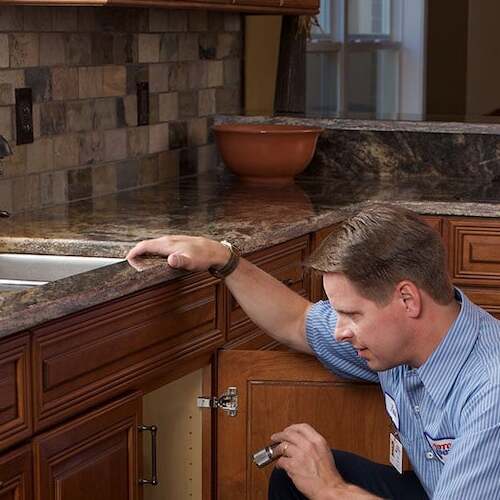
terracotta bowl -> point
(266, 153)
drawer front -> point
(475, 251)
(15, 397)
(90, 357)
(284, 262)
(15, 475)
(487, 298)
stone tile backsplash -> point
(82, 65)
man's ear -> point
(410, 298)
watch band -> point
(225, 270)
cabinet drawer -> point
(474, 250)
(15, 397)
(89, 357)
(15, 475)
(284, 262)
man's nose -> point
(342, 331)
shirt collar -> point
(439, 372)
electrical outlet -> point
(142, 103)
(24, 115)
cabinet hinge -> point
(228, 401)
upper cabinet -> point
(310, 7)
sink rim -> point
(32, 269)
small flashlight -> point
(266, 455)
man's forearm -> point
(270, 304)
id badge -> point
(396, 453)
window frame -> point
(340, 42)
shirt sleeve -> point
(472, 468)
(339, 357)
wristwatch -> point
(225, 270)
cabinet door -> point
(276, 389)
(15, 475)
(15, 390)
(93, 457)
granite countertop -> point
(216, 205)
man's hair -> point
(381, 245)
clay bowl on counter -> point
(266, 153)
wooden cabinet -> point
(284, 262)
(88, 358)
(16, 474)
(15, 390)
(474, 259)
(92, 457)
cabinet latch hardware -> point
(228, 401)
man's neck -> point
(438, 319)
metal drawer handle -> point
(154, 473)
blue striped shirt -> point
(448, 408)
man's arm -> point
(271, 305)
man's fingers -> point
(155, 246)
(179, 260)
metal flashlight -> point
(266, 455)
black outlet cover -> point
(142, 103)
(24, 115)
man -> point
(392, 317)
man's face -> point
(379, 333)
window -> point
(357, 59)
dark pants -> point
(378, 479)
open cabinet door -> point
(276, 389)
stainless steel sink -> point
(19, 271)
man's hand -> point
(308, 460)
(186, 252)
